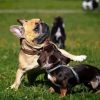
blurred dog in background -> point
(58, 35)
(90, 4)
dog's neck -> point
(53, 69)
(27, 48)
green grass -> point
(37, 4)
(83, 35)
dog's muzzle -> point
(44, 33)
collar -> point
(51, 70)
(31, 50)
(71, 68)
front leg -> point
(33, 74)
(51, 90)
(19, 75)
(73, 57)
(63, 92)
(22, 70)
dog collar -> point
(32, 50)
(51, 70)
(71, 68)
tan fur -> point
(63, 92)
(26, 61)
(28, 26)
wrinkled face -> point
(32, 28)
(29, 29)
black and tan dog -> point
(32, 34)
(58, 35)
(65, 77)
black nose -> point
(45, 28)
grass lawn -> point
(83, 33)
(37, 4)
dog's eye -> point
(36, 29)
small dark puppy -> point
(65, 77)
(58, 35)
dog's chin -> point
(47, 66)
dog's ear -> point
(21, 21)
(17, 30)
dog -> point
(90, 4)
(58, 35)
(28, 32)
(65, 77)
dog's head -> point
(58, 21)
(50, 57)
(30, 29)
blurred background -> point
(82, 28)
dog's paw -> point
(51, 90)
(80, 58)
(14, 86)
(7, 88)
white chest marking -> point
(50, 77)
(58, 33)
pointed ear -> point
(17, 30)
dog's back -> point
(85, 69)
(89, 75)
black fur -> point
(58, 23)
